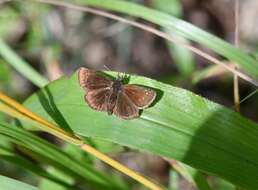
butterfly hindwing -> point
(98, 99)
(125, 108)
(142, 97)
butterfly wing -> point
(125, 108)
(142, 97)
(92, 80)
(98, 99)
(98, 88)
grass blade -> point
(12, 184)
(13, 158)
(48, 153)
(21, 66)
(182, 57)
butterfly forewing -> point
(91, 80)
(142, 97)
(125, 108)
(98, 88)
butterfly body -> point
(112, 96)
(116, 89)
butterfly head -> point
(120, 77)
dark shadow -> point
(48, 103)
(18, 123)
(24, 161)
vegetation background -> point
(56, 41)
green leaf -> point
(12, 184)
(173, 7)
(179, 125)
(184, 59)
(180, 28)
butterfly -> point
(112, 96)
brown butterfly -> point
(112, 96)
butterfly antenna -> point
(106, 67)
